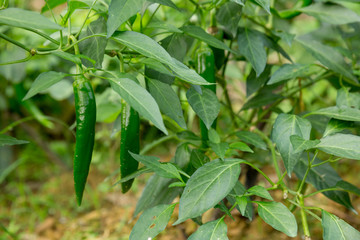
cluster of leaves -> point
(155, 52)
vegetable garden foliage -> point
(171, 63)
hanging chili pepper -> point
(130, 141)
(85, 107)
(205, 63)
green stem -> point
(86, 18)
(261, 172)
(17, 61)
(303, 218)
(150, 146)
(42, 35)
(14, 124)
(3, 36)
(327, 161)
(324, 190)
(307, 171)
(272, 150)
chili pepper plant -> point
(261, 97)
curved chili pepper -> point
(85, 107)
(130, 141)
(291, 13)
(205, 63)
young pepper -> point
(130, 141)
(85, 107)
(205, 64)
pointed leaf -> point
(152, 222)
(208, 186)
(328, 56)
(120, 12)
(43, 82)
(199, 33)
(265, 4)
(6, 140)
(139, 99)
(261, 192)
(341, 145)
(335, 126)
(336, 228)
(333, 14)
(285, 126)
(239, 190)
(290, 71)
(17, 17)
(299, 144)
(166, 170)
(219, 148)
(279, 217)
(241, 146)
(251, 138)
(252, 47)
(168, 101)
(341, 113)
(213, 230)
(205, 105)
(94, 47)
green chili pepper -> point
(85, 108)
(291, 13)
(205, 63)
(130, 141)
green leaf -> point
(121, 11)
(242, 203)
(251, 138)
(214, 136)
(67, 56)
(345, 98)
(254, 83)
(341, 145)
(290, 71)
(336, 228)
(139, 99)
(166, 170)
(348, 187)
(262, 98)
(265, 4)
(167, 100)
(229, 15)
(165, 3)
(333, 14)
(208, 186)
(261, 192)
(163, 25)
(199, 33)
(156, 192)
(152, 222)
(252, 47)
(6, 140)
(299, 144)
(150, 48)
(241, 146)
(52, 4)
(239, 190)
(213, 230)
(198, 158)
(285, 126)
(43, 82)
(322, 177)
(21, 18)
(279, 217)
(219, 148)
(205, 105)
(335, 126)
(328, 56)
(341, 113)
(94, 47)
(133, 175)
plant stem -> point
(17, 61)
(261, 172)
(86, 18)
(304, 219)
(324, 190)
(307, 171)
(3, 36)
(42, 35)
(150, 146)
(273, 153)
